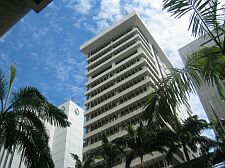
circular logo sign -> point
(63, 108)
(76, 111)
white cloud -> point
(109, 12)
(80, 6)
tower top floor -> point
(110, 34)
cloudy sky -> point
(45, 46)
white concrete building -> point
(63, 141)
(206, 93)
(123, 64)
(68, 140)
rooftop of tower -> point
(131, 20)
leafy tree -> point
(22, 117)
(108, 152)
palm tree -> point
(88, 162)
(141, 141)
(187, 135)
(206, 66)
(127, 153)
(22, 117)
(218, 155)
(206, 19)
(174, 88)
(108, 152)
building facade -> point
(11, 11)
(68, 140)
(63, 141)
(207, 93)
(124, 62)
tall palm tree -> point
(127, 153)
(88, 161)
(141, 141)
(108, 152)
(22, 117)
(187, 136)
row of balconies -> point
(101, 90)
(94, 116)
(118, 49)
(117, 89)
(112, 60)
(113, 110)
(119, 107)
(112, 45)
(90, 68)
(105, 45)
(113, 42)
(112, 130)
(116, 117)
(91, 106)
(119, 99)
(93, 83)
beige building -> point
(206, 93)
(11, 11)
(123, 64)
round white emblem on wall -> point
(77, 111)
(63, 108)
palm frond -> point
(78, 162)
(30, 98)
(208, 65)
(56, 116)
(204, 16)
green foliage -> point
(139, 141)
(22, 118)
(187, 134)
(208, 62)
(78, 161)
(205, 15)
(108, 152)
(88, 160)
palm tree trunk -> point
(12, 155)
(186, 153)
(109, 164)
(21, 158)
(142, 163)
(6, 159)
(3, 153)
(127, 164)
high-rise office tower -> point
(63, 141)
(207, 93)
(123, 64)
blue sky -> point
(45, 46)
